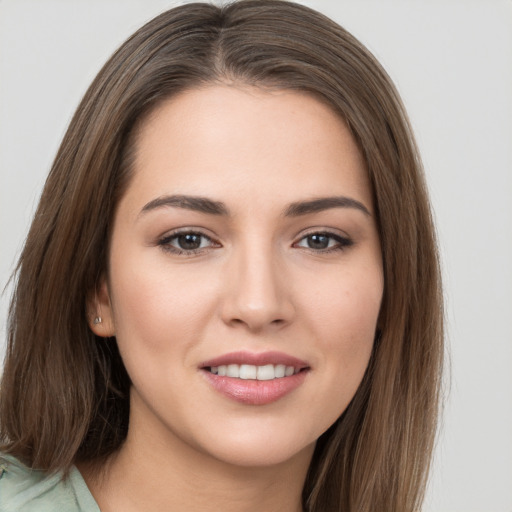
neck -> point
(149, 473)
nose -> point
(257, 295)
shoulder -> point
(26, 490)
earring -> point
(97, 320)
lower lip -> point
(255, 392)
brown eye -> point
(188, 242)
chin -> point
(260, 455)
(253, 447)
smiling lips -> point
(250, 371)
(255, 379)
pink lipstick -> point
(255, 378)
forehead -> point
(230, 140)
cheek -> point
(155, 308)
(344, 313)
(139, 308)
(340, 318)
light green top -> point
(26, 490)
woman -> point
(230, 294)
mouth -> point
(250, 371)
(255, 379)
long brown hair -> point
(64, 393)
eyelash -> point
(165, 243)
(342, 243)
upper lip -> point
(256, 359)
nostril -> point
(257, 324)
(256, 308)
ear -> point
(99, 311)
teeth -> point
(266, 372)
(249, 371)
(280, 370)
(233, 370)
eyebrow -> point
(194, 203)
(211, 207)
(324, 203)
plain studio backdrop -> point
(452, 63)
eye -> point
(324, 242)
(186, 242)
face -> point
(245, 274)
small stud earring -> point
(97, 320)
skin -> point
(257, 284)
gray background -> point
(452, 61)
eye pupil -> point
(318, 241)
(189, 241)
